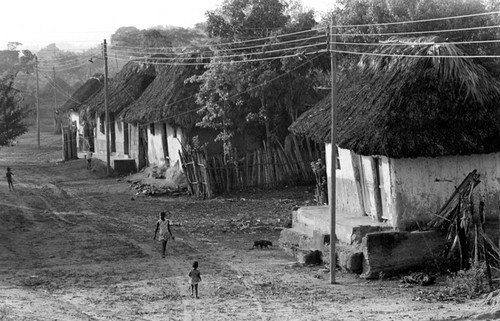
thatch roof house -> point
(413, 120)
(167, 108)
(169, 96)
(71, 111)
(124, 89)
(93, 85)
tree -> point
(12, 112)
(251, 92)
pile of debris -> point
(152, 190)
(466, 234)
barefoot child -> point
(163, 225)
(9, 179)
(195, 279)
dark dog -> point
(263, 244)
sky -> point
(86, 23)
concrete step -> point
(349, 229)
(302, 246)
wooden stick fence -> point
(263, 168)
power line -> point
(149, 49)
(236, 42)
(417, 21)
(180, 58)
(235, 95)
(416, 32)
(412, 56)
(225, 62)
(403, 43)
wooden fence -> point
(264, 168)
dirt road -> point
(75, 245)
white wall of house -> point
(423, 185)
(346, 191)
(175, 136)
(100, 142)
(156, 144)
(74, 118)
(156, 153)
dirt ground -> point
(75, 245)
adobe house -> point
(124, 89)
(409, 130)
(166, 113)
(70, 111)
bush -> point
(469, 283)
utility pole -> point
(37, 105)
(105, 56)
(55, 99)
(333, 155)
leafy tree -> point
(244, 19)
(12, 112)
(265, 94)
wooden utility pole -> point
(57, 128)
(37, 105)
(105, 56)
(333, 155)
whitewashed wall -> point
(423, 185)
(75, 117)
(174, 144)
(346, 191)
(100, 142)
(156, 154)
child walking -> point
(9, 175)
(195, 279)
(163, 225)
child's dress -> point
(195, 276)
(164, 234)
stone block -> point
(393, 252)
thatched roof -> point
(412, 106)
(125, 88)
(84, 93)
(168, 97)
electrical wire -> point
(415, 32)
(147, 50)
(411, 56)
(417, 21)
(403, 43)
(225, 62)
(237, 42)
(167, 59)
(235, 95)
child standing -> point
(163, 225)
(9, 175)
(195, 279)
(89, 159)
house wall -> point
(347, 198)
(75, 117)
(175, 136)
(423, 185)
(100, 142)
(134, 144)
(156, 153)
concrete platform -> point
(363, 245)
(349, 230)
